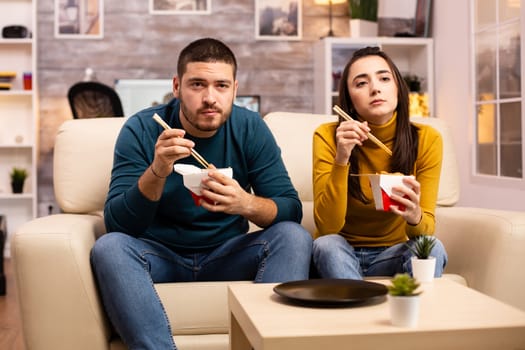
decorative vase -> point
(17, 186)
(362, 28)
(423, 269)
(404, 310)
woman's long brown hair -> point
(405, 150)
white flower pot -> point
(362, 28)
(404, 311)
(423, 270)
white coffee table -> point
(452, 316)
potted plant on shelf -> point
(418, 100)
(18, 177)
(423, 264)
(404, 300)
(413, 82)
(363, 18)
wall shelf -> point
(411, 56)
(18, 116)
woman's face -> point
(373, 90)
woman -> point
(354, 239)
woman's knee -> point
(327, 243)
(440, 252)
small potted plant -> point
(18, 178)
(403, 295)
(423, 264)
(413, 82)
(363, 18)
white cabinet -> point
(18, 114)
(414, 56)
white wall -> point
(450, 29)
(397, 8)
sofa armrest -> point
(487, 247)
(59, 304)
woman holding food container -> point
(374, 135)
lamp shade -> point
(327, 2)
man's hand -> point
(224, 194)
(170, 147)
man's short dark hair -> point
(206, 50)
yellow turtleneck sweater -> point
(362, 225)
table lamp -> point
(329, 3)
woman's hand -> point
(347, 135)
(408, 197)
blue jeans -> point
(126, 269)
(334, 257)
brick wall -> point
(139, 45)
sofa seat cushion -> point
(180, 301)
(188, 342)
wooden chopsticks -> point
(194, 153)
(372, 138)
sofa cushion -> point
(180, 299)
(448, 194)
(294, 135)
(84, 146)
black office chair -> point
(90, 99)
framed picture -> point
(278, 19)
(79, 19)
(251, 102)
(180, 7)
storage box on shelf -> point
(413, 56)
(18, 111)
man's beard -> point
(192, 118)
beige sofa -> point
(58, 297)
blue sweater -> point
(243, 143)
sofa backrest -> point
(82, 162)
(294, 135)
(83, 159)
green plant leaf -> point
(363, 9)
(403, 285)
(18, 174)
(422, 246)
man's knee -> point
(293, 233)
(108, 245)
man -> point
(157, 233)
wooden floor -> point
(10, 324)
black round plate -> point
(331, 291)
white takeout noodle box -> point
(192, 178)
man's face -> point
(206, 93)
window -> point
(498, 88)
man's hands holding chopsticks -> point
(347, 135)
(170, 147)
